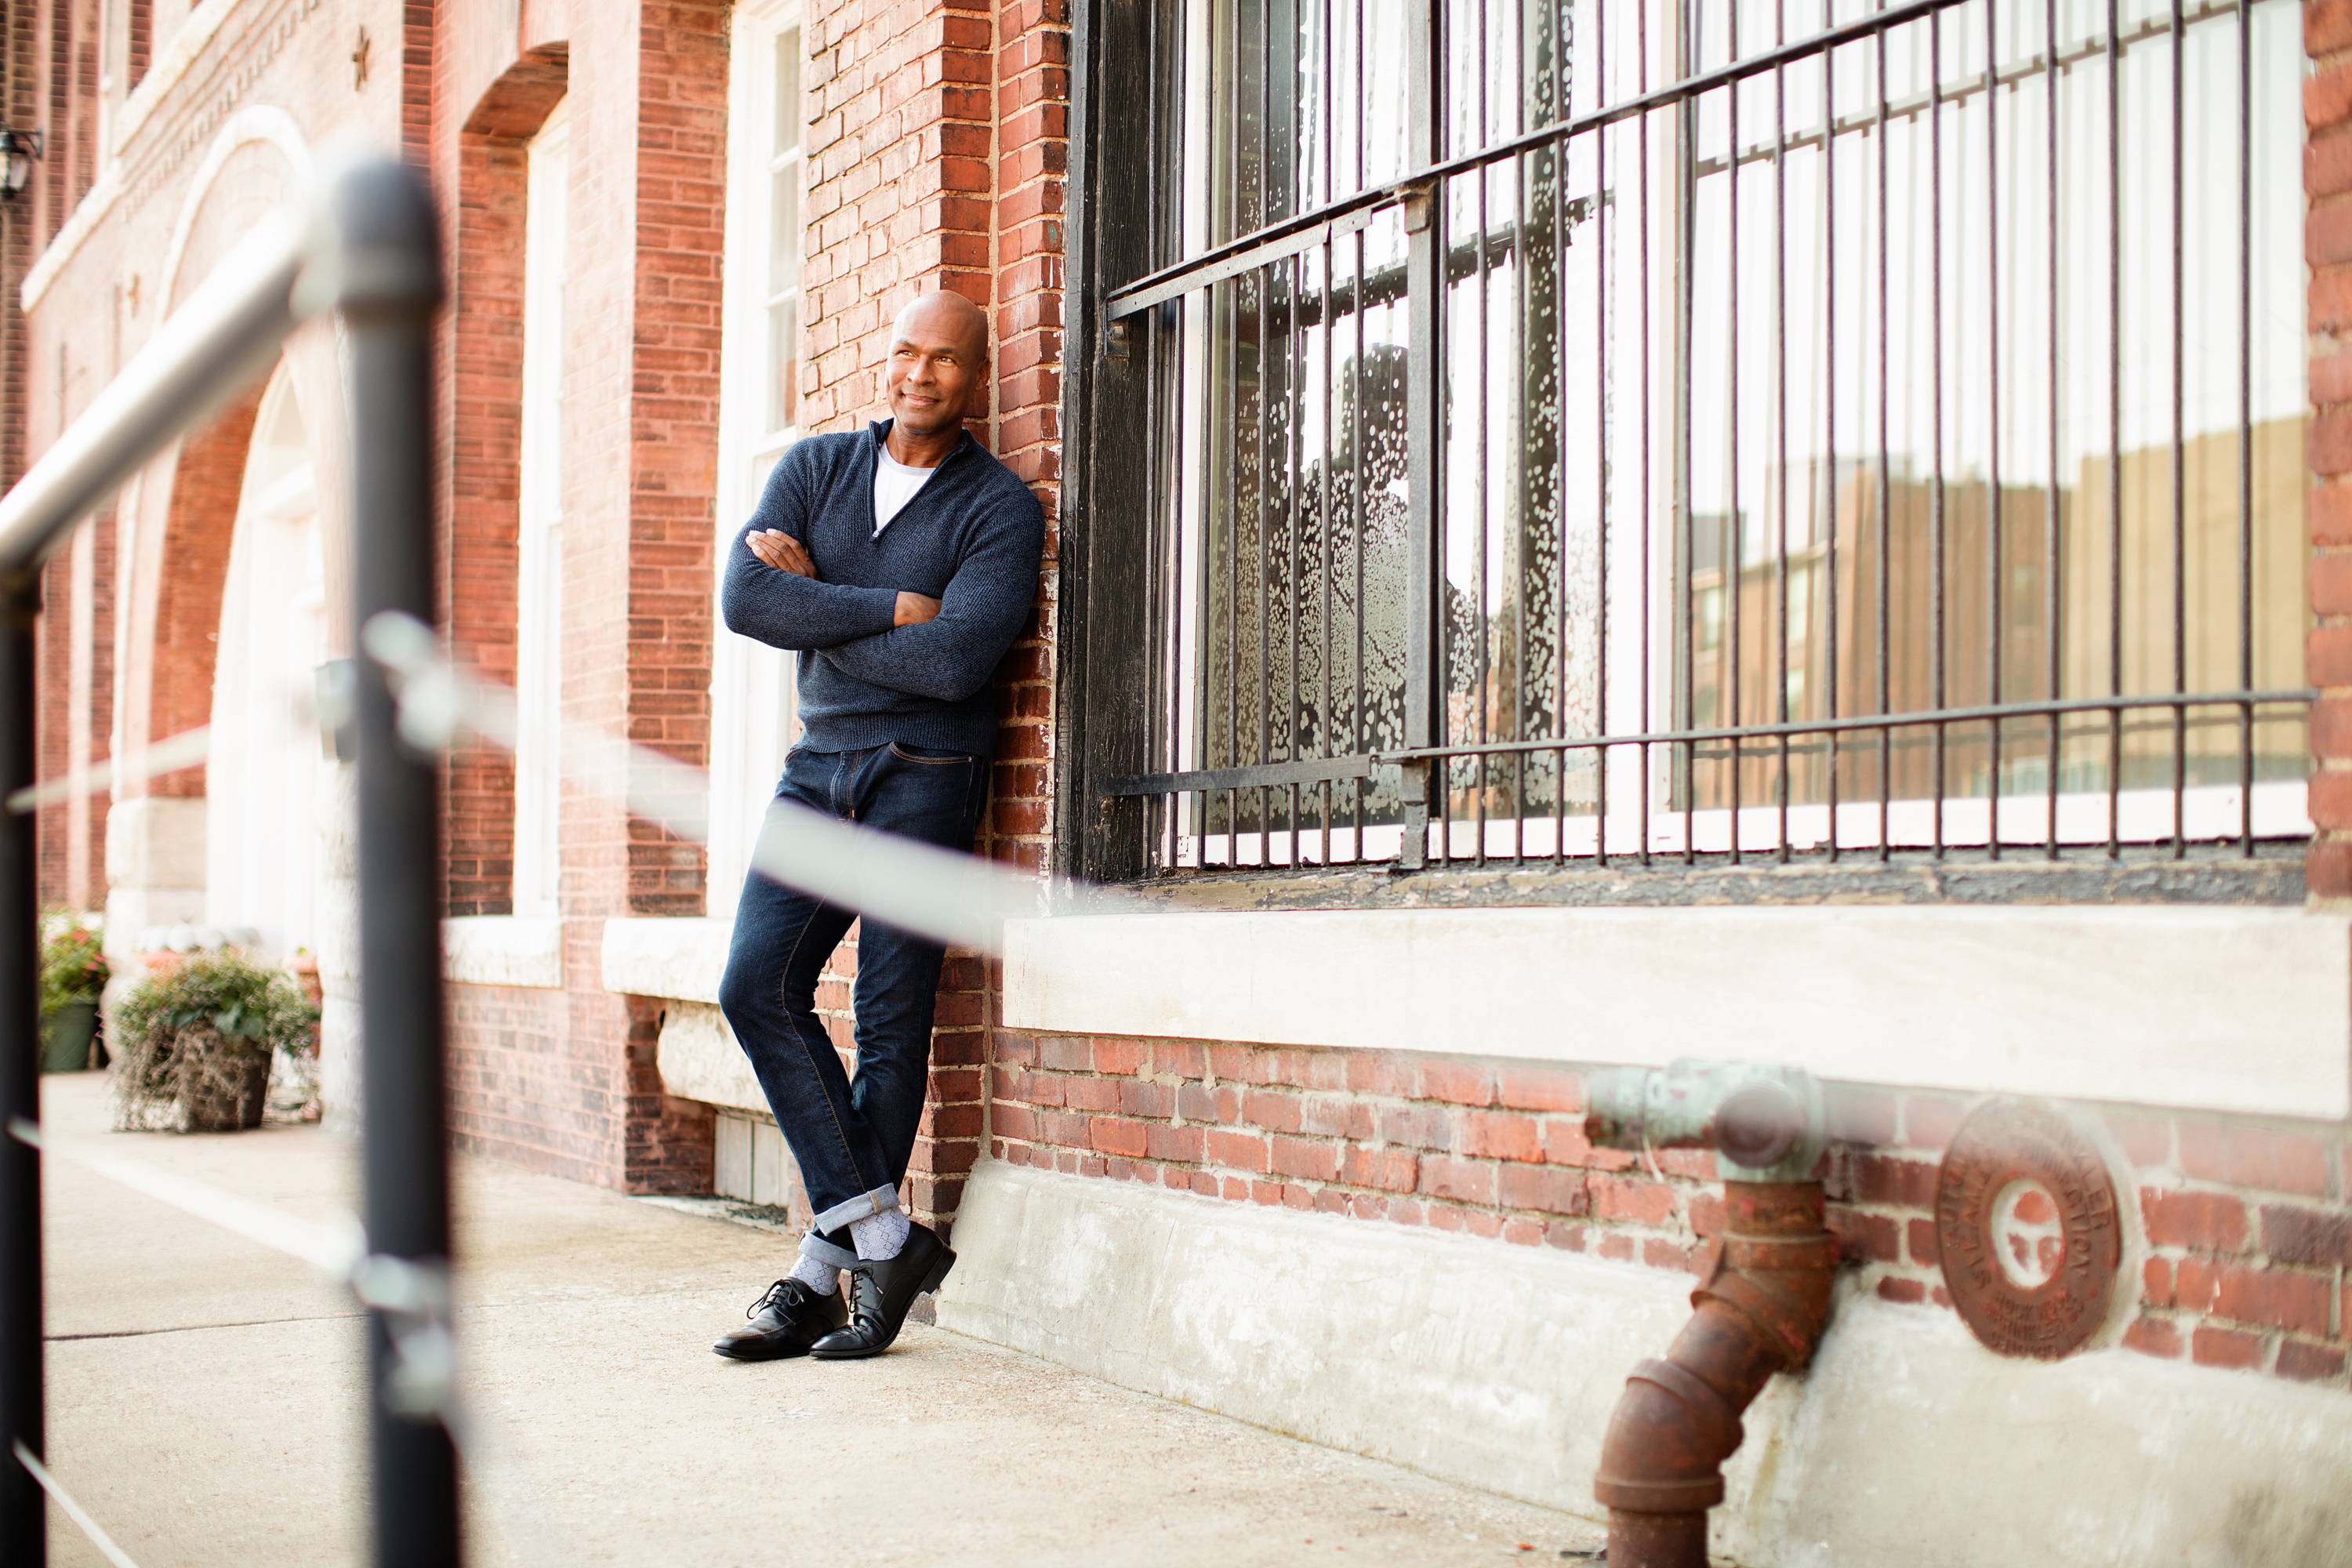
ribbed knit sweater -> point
(971, 539)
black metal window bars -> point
(1581, 431)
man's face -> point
(937, 365)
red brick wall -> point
(936, 154)
(565, 1081)
(2328, 183)
(19, 244)
(53, 680)
(673, 472)
(530, 1083)
(138, 42)
(2247, 1224)
(482, 425)
(202, 521)
(71, 719)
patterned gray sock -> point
(822, 1277)
(879, 1237)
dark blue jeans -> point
(852, 1137)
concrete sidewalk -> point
(204, 1395)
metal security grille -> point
(1575, 430)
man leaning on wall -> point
(899, 562)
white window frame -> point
(751, 717)
(539, 570)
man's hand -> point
(781, 551)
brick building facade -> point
(703, 215)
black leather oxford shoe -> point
(881, 1292)
(786, 1322)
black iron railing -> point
(369, 252)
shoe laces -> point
(779, 1296)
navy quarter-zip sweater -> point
(971, 539)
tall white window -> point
(751, 686)
(539, 630)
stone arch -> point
(261, 124)
(175, 526)
(178, 524)
(482, 479)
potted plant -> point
(73, 974)
(194, 1046)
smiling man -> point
(899, 562)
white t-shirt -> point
(895, 485)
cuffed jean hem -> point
(816, 1246)
(864, 1205)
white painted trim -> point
(164, 72)
(503, 949)
(680, 958)
(255, 123)
(537, 875)
(1499, 1365)
(752, 688)
(2238, 1009)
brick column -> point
(2327, 185)
(1033, 95)
(936, 160)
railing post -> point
(388, 275)
(24, 1513)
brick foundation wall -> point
(2247, 1224)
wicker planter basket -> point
(222, 1087)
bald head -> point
(943, 315)
(939, 362)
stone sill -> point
(2238, 1009)
(503, 949)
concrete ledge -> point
(2236, 1009)
(681, 958)
(700, 1059)
(1498, 1366)
(503, 949)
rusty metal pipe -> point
(1761, 1308)
(1761, 1305)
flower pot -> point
(66, 1035)
(223, 1093)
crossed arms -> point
(944, 649)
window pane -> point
(1954, 433)
(783, 363)
(784, 229)
(1913, 374)
(1301, 592)
(788, 91)
(1307, 104)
